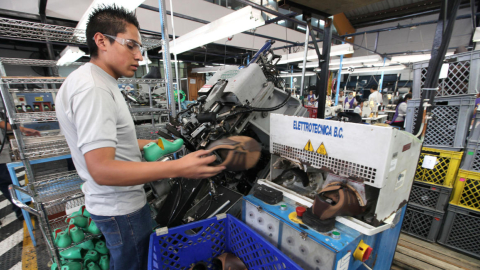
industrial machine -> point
(233, 102)
(382, 159)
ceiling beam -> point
(423, 8)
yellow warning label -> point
(309, 146)
(38, 98)
(321, 150)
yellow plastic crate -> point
(466, 192)
(444, 172)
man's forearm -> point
(2, 125)
(127, 173)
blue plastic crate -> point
(181, 247)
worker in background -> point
(100, 132)
(311, 99)
(341, 98)
(358, 108)
(349, 102)
(375, 97)
(398, 119)
(5, 179)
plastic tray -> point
(460, 80)
(471, 159)
(461, 230)
(445, 169)
(466, 192)
(449, 126)
(422, 223)
(429, 196)
(183, 246)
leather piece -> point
(238, 153)
(228, 261)
(337, 199)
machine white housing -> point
(383, 157)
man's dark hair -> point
(109, 20)
(375, 87)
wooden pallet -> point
(413, 254)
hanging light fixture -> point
(296, 74)
(348, 61)
(69, 55)
(312, 55)
(232, 24)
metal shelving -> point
(33, 80)
(18, 29)
(39, 90)
(33, 117)
(33, 62)
(41, 147)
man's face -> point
(122, 59)
(311, 92)
(341, 94)
(371, 90)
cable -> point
(208, 208)
(177, 199)
(255, 109)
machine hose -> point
(256, 109)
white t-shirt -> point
(93, 114)
(376, 97)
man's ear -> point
(101, 41)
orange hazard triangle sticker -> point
(309, 146)
(321, 150)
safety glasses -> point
(132, 45)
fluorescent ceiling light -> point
(129, 5)
(301, 27)
(211, 69)
(476, 35)
(283, 72)
(376, 69)
(234, 23)
(348, 61)
(312, 55)
(296, 74)
(414, 58)
(69, 55)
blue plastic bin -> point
(180, 248)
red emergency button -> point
(363, 252)
(300, 210)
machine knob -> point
(283, 207)
(363, 252)
(300, 210)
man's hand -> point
(195, 165)
(30, 132)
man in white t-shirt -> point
(375, 98)
(100, 133)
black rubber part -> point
(316, 223)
